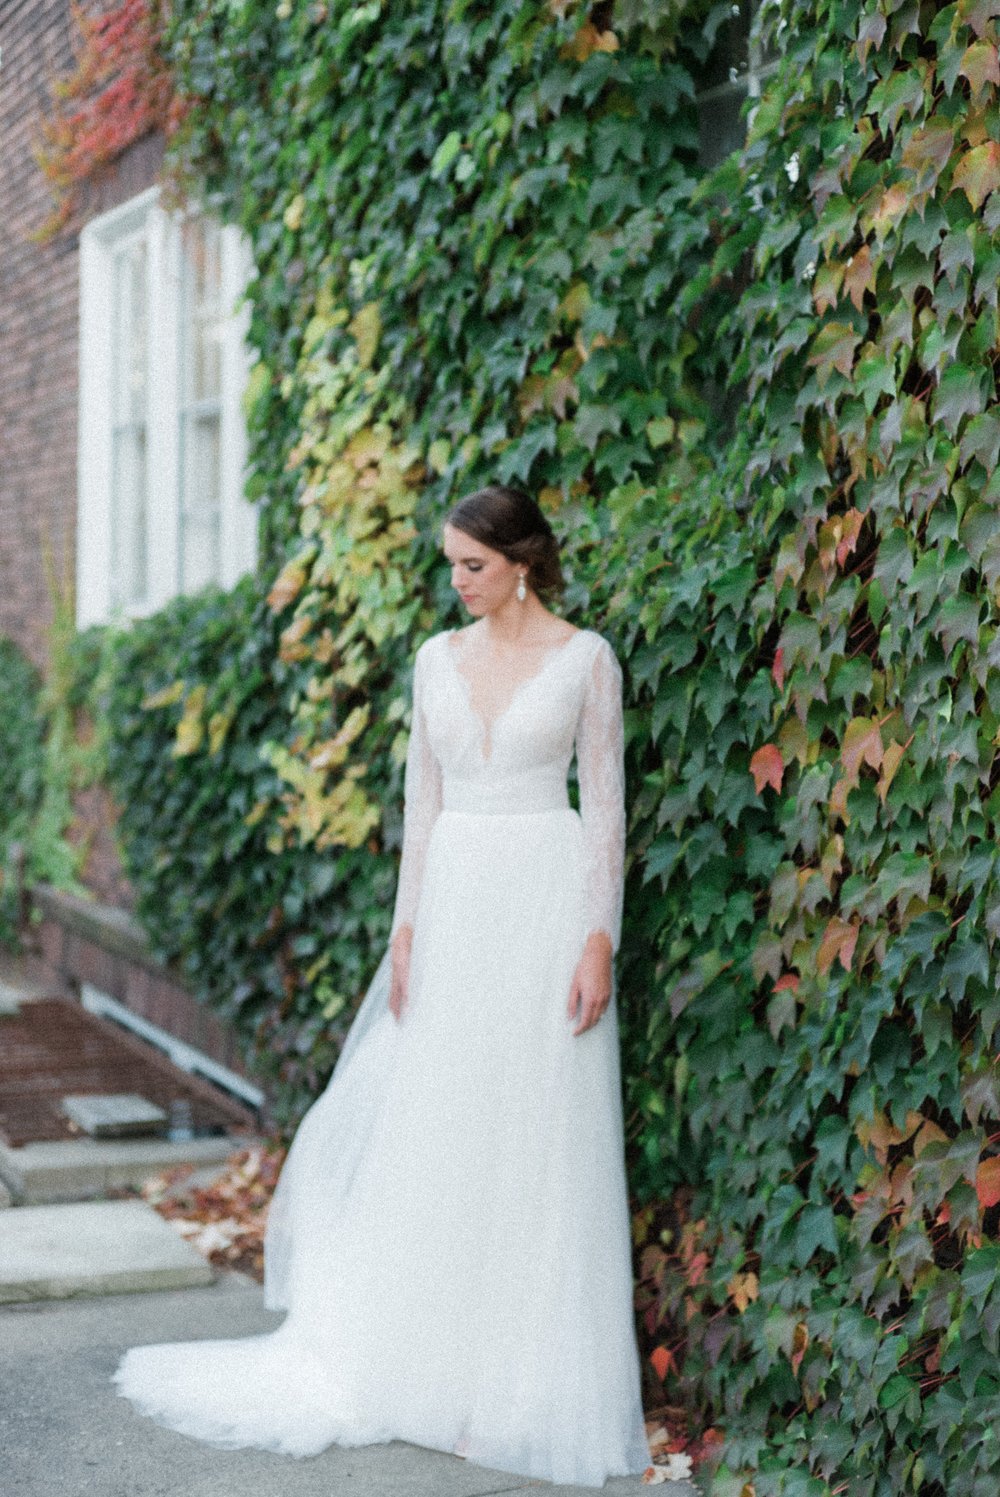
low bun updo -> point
(510, 521)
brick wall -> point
(39, 313)
(38, 324)
(70, 957)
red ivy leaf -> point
(767, 767)
(850, 530)
(988, 1182)
(663, 1362)
(839, 940)
(859, 277)
(862, 744)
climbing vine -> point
(821, 828)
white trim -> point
(184, 1056)
(99, 241)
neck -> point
(509, 623)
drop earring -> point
(522, 591)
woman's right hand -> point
(399, 984)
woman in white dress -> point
(450, 1232)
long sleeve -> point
(600, 748)
(421, 803)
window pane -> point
(729, 73)
(200, 558)
(128, 427)
(202, 297)
(128, 516)
(200, 402)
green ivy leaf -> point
(446, 153)
(959, 394)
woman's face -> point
(483, 578)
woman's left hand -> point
(590, 990)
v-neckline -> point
(487, 730)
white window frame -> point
(238, 517)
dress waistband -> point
(514, 796)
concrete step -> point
(93, 1247)
(82, 1168)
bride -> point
(450, 1232)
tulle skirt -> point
(450, 1232)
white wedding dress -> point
(450, 1232)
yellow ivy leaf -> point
(743, 1288)
(165, 697)
(291, 647)
(191, 728)
(292, 216)
(218, 726)
(660, 431)
(256, 813)
(257, 385)
(588, 40)
(978, 173)
(366, 329)
(438, 454)
(576, 301)
(367, 447)
(287, 585)
(890, 763)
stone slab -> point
(115, 1114)
(93, 1247)
(10, 1000)
(81, 1168)
(21, 981)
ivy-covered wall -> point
(761, 406)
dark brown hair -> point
(509, 521)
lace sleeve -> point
(601, 772)
(421, 803)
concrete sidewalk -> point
(66, 1432)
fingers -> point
(397, 998)
(593, 1008)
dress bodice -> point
(519, 762)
